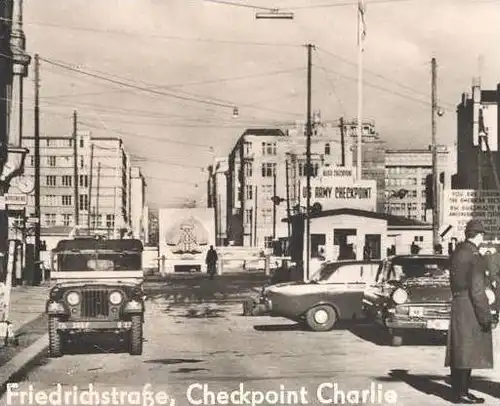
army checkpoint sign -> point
(462, 205)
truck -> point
(185, 236)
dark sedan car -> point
(334, 292)
(411, 292)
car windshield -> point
(88, 262)
(411, 268)
(323, 273)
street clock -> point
(24, 184)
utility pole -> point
(98, 191)
(274, 205)
(36, 154)
(255, 219)
(308, 160)
(435, 176)
(75, 167)
(342, 141)
(90, 184)
(288, 200)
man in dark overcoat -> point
(492, 258)
(470, 343)
(211, 261)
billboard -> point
(462, 205)
(334, 193)
(185, 235)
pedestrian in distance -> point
(470, 343)
(211, 261)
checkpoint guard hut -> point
(346, 233)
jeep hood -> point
(99, 277)
(108, 282)
(427, 290)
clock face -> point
(25, 185)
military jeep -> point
(98, 291)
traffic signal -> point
(277, 200)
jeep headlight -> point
(490, 295)
(400, 296)
(115, 298)
(73, 298)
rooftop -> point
(392, 221)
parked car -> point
(411, 293)
(333, 293)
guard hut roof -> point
(92, 244)
(392, 221)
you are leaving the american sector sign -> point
(337, 194)
(461, 205)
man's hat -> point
(475, 225)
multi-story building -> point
(138, 209)
(217, 197)
(105, 183)
(479, 114)
(264, 161)
(407, 171)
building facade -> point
(477, 115)
(138, 208)
(105, 182)
(267, 168)
(406, 180)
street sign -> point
(16, 199)
(462, 205)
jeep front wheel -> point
(136, 335)
(55, 343)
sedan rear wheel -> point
(321, 318)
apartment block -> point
(106, 185)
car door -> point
(346, 287)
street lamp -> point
(274, 15)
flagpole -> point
(360, 89)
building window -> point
(67, 180)
(315, 170)
(110, 220)
(97, 221)
(32, 160)
(51, 160)
(267, 190)
(327, 149)
(268, 169)
(47, 141)
(267, 216)
(302, 169)
(67, 200)
(247, 148)
(248, 216)
(248, 169)
(248, 192)
(84, 180)
(82, 161)
(268, 241)
(50, 219)
(81, 143)
(50, 180)
(269, 148)
(67, 219)
(84, 202)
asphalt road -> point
(197, 336)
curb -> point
(21, 361)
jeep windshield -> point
(96, 261)
(91, 254)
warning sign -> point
(462, 205)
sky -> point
(174, 70)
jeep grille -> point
(95, 303)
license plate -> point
(75, 324)
(416, 311)
(438, 324)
